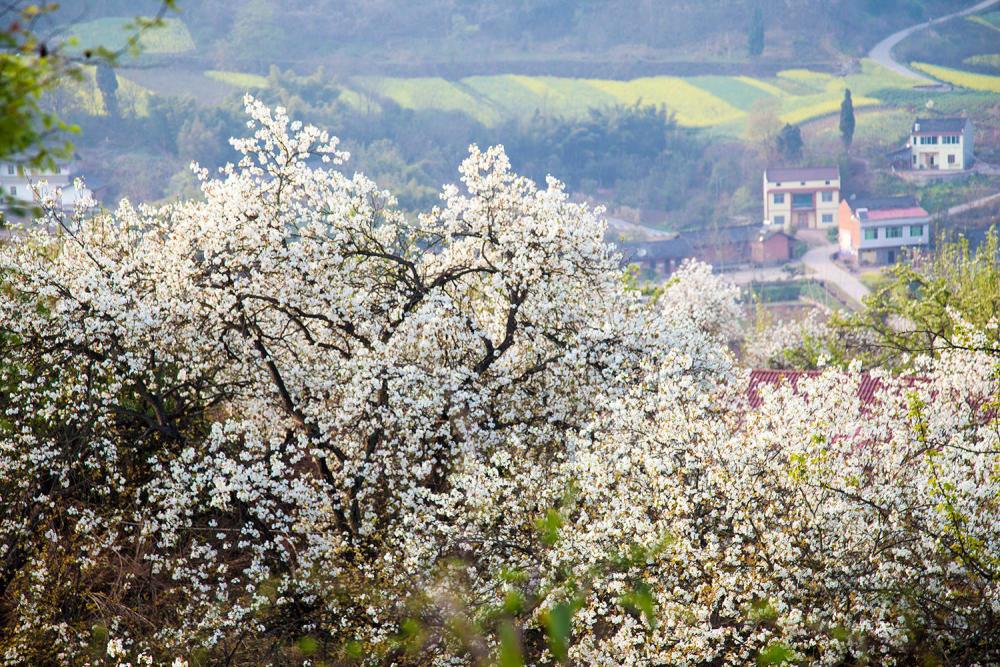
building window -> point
(929, 141)
(779, 219)
(916, 230)
(827, 195)
(894, 232)
(827, 182)
(13, 191)
(871, 234)
(954, 139)
(10, 169)
(951, 159)
(779, 197)
(802, 200)
(828, 217)
(58, 169)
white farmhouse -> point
(941, 143)
(20, 183)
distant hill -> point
(624, 38)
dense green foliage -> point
(789, 142)
(926, 303)
(918, 307)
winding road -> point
(882, 52)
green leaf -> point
(511, 654)
(308, 645)
(558, 625)
(549, 526)
(777, 654)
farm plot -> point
(703, 101)
(237, 79)
(429, 93)
(740, 92)
(693, 106)
(959, 78)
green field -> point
(112, 34)
(237, 79)
(984, 60)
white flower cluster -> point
(288, 411)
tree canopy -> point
(287, 423)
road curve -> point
(882, 52)
(820, 261)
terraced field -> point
(701, 101)
(960, 78)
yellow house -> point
(803, 197)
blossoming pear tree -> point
(286, 423)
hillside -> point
(603, 38)
(656, 110)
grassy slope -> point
(112, 33)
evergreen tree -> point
(755, 36)
(107, 82)
(789, 142)
(847, 119)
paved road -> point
(818, 260)
(882, 52)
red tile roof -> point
(894, 213)
(867, 388)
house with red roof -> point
(878, 231)
(868, 386)
(804, 197)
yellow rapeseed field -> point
(960, 78)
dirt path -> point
(882, 52)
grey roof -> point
(726, 235)
(878, 203)
(939, 124)
(802, 173)
(675, 248)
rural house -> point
(18, 183)
(804, 197)
(875, 231)
(941, 143)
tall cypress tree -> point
(107, 83)
(847, 119)
(755, 34)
